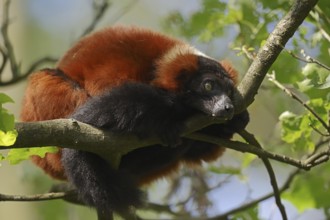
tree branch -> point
(266, 56)
(77, 135)
(305, 164)
(35, 198)
(307, 59)
(9, 47)
(69, 133)
(4, 60)
(251, 140)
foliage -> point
(16, 156)
(8, 136)
(299, 130)
(7, 123)
(308, 190)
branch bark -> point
(69, 133)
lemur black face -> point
(211, 90)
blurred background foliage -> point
(224, 29)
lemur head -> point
(202, 82)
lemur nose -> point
(224, 110)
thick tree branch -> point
(267, 55)
(72, 134)
(69, 133)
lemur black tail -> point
(98, 184)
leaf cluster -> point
(8, 136)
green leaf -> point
(321, 106)
(315, 77)
(309, 190)
(15, 156)
(301, 196)
(5, 99)
(290, 125)
(7, 121)
(296, 130)
(305, 85)
(325, 84)
(8, 138)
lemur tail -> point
(99, 185)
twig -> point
(9, 47)
(295, 97)
(8, 54)
(250, 55)
(310, 59)
(39, 62)
(33, 67)
(307, 59)
(35, 198)
(320, 157)
(100, 11)
(318, 131)
(4, 60)
(252, 140)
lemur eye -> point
(208, 86)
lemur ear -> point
(230, 70)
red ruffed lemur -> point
(132, 80)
